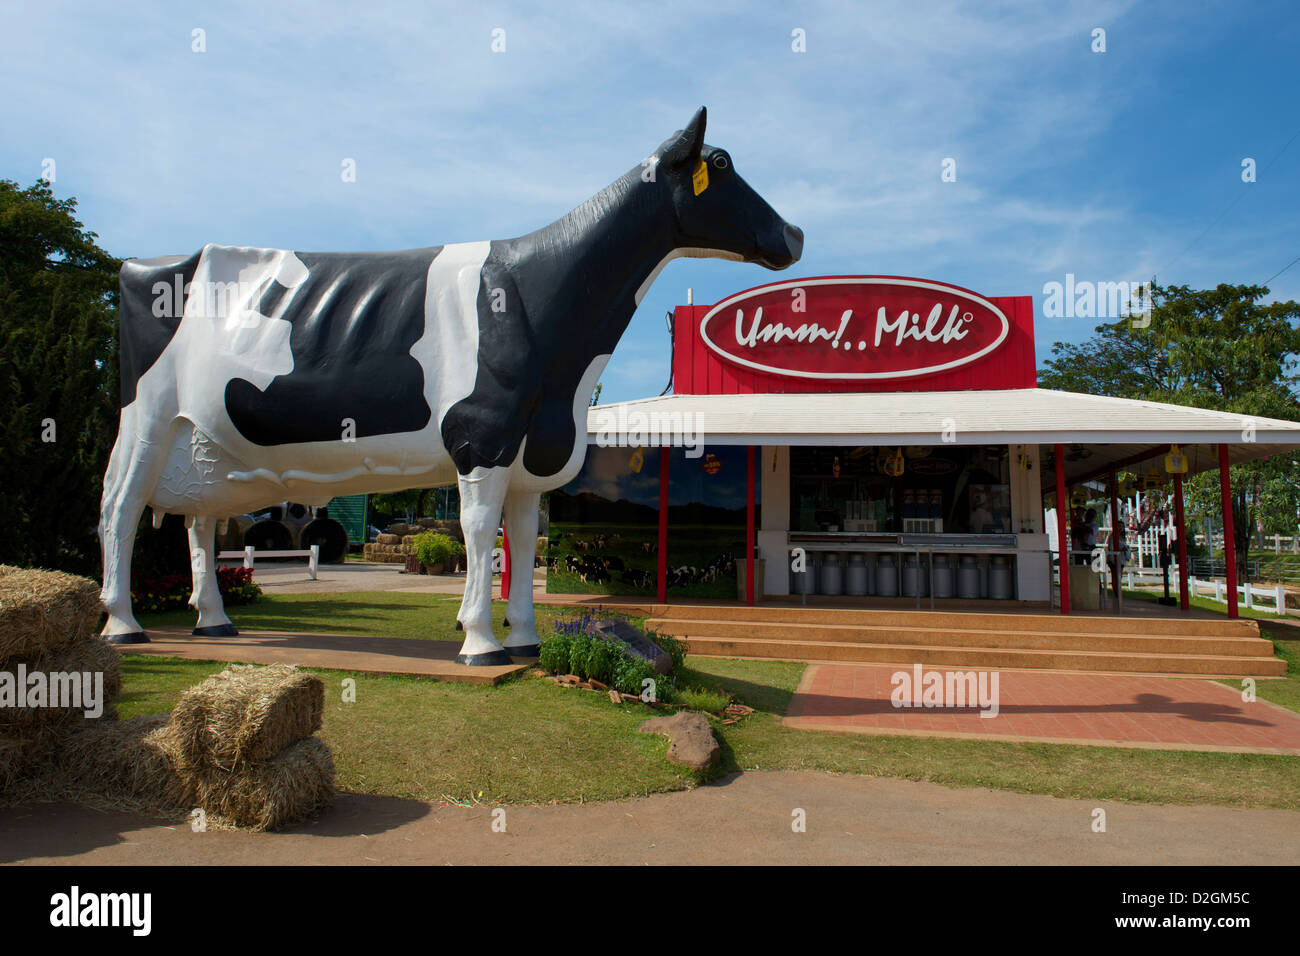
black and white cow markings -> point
(307, 376)
(355, 318)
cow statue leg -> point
(482, 495)
(206, 596)
(133, 470)
(521, 527)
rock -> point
(693, 743)
(615, 697)
(597, 685)
(637, 644)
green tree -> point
(58, 379)
(1220, 348)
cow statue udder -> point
(252, 376)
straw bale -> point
(266, 796)
(245, 714)
(41, 611)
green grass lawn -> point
(530, 741)
(376, 613)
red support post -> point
(1229, 545)
(505, 564)
(1062, 529)
(749, 524)
(662, 587)
(1116, 532)
(1184, 600)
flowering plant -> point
(151, 594)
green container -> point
(350, 511)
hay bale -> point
(448, 526)
(128, 763)
(89, 655)
(266, 796)
(44, 610)
(408, 540)
(388, 539)
(25, 751)
(400, 529)
(245, 714)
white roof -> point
(1105, 430)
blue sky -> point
(1110, 166)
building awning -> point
(1099, 432)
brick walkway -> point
(1114, 710)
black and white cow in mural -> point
(252, 376)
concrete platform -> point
(344, 652)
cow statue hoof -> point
(218, 630)
(460, 626)
(134, 637)
(526, 650)
(499, 658)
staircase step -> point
(940, 619)
(1190, 665)
(1029, 639)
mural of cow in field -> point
(252, 376)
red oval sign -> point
(854, 327)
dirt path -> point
(746, 819)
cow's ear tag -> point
(700, 178)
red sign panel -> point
(854, 333)
(854, 328)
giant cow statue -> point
(252, 376)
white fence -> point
(1276, 543)
(249, 554)
(1216, 590)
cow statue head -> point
(718, 213)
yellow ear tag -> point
(700, 179)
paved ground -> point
(292, 578)
(746, 820)
(344, 652)
(1056, 707)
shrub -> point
(603, 659)
(237, 586)
(435, 549)
(570, 650)
(153, 593)
(674, 647)
(580, 648)
(630, 674)
(554, 654)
